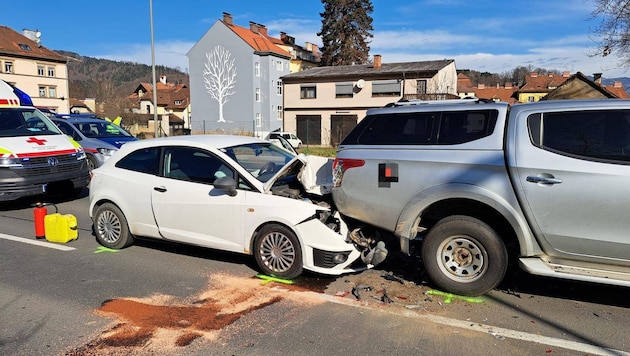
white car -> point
(290, 137)
(232, 193)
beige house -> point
(173, 108)
(321, 105)
(34, 69)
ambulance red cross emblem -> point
(36, 140)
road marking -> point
(493, 330)
(36, 242)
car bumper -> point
(321, 245)
(12, 188)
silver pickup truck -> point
(482, 184)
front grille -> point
(41, 166)
(324, 259)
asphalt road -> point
(158, 298)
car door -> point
(574, 176)
(189, 209)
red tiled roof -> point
(617, 90)
(500, 93)
(535, 83)
(464, 84)
(259, 41)
(14, 44)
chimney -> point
(262, 29)
(315, 48)
(227, 18)
(498, 86)
(163, 79)
(597, 78)
(533, 74)
(253, 27)
(566, 74)
(508, 85)
(617, 85)
(377, 61)
(481, 86)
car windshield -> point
(25, 122)
(100, 129)
(262, 160)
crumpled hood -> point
(313, 172)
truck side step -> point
(541, 267)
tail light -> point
(341, 165)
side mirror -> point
(226, 183)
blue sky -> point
(492, 35)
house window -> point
(24, 47)
(258, 120)
(343, 90)
(51, 71)
(421, 86)
(178, 102)
(41, 70)
(42, 92)
(386, 88)
(52, 92)
(279, 113)
(530, 99)
(279, 87)
(148, 109)
(308, 92)
(279, 65)
(257, 69)
(8, 67)
(257, 95)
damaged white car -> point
(232, 193)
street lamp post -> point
(155, 105)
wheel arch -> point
(267, 223)
(428, 207)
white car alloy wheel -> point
(278, 252)
(111, 227)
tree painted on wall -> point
(219, 76)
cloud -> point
(169, 53)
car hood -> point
(313, 172)
(117, 141)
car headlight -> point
(10, 162)
(106, 151)
(80, 155)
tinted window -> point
(423, 128)
(145, 160)
(465, 126)
(602, 134)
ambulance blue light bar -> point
(25, 99)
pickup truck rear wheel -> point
(464, 255)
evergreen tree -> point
(346, 29)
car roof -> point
(216, 141)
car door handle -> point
(543, 180)
(159, 189)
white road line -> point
(495, 331)
(36, 242)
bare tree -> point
(614, 30)
(219, 76)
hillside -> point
(110, 82)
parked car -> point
(290, 137)
(99, 138)
(281, 142)
(232, 193)
(482, 184)
(35, 156)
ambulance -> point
(35, 156)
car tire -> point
(278, 252)
(464, 255)
(111, 228)
(92, 162)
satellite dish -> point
(360, 83)
(38, 34)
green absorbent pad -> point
(105, 249)
(448, 297)
(266, 279)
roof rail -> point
(405, 102)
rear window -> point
(423, 128)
